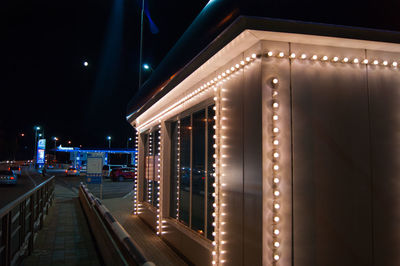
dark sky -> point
(43, 80)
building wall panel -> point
(384, 95)
(331, 156)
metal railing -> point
(21, 220)
(115, 244)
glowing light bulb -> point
(303, 56)
(356, 61)
(345, 59)
(276, 155)
(276, 244)
(275, 117)
(276, 180)
(276, 232)
(385, 63)
(276, 257)
(394, 64)
(275, 130)
(276, 193)
(276, 206)
(281, 54)
(242, 63)
(292, 55)
(324, 58)
(276, 142)
(237, 65)
(275, 105)
(253, 56)
(270, 53)
(314, 57)
(275, 81)
(248, 59)
(365, 61)
(276, 219)
(375, 62)
(335, 59)
(276, 167)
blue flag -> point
(153, 26)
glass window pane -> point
(174, 170)
(184, 184)
(198, 170)
(210, 170)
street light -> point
(85, 63)
(147, 67)
(109, 141)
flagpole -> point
(141, 45)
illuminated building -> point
(276, 144)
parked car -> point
(8, 177)
(71, 171)
(120, 174)
(15, 169)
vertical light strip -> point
(217, 213)
(159, 214)
(178, 168)
(151, 153)
(135, 189)
(275, 155)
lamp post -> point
(109, 141)
(36, 128)
(55, 148)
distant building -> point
(277, 143)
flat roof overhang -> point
(246, 31)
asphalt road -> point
(109, 189)
(29, 179)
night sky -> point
(43, 79)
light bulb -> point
(276, 193)
(303, 56)
(276, 180)
(270, 53)
(275, 117)
(276, 142)
(345, 60)
(385, 63)
(292, 55)
(394, 64)
(281, 54)
(276, 244)
(335, 59)
(254, 56)
(324, 58)
(376, 62)
(276, 130)
(314, 57)
(276, 219)
(276, 232)
(276, 155)
(275, 81)
(365, 61)
(275, 105)
(276, 257)
(356, 61)
(276, 206)
(276, 167)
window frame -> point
(189, 112)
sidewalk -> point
(65, 238)
(153, 247)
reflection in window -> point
(198, 172)
(184, 184)
(150, 184)
(192, 171)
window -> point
(151, 150)
(192, 173)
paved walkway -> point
(154, 249)
(65, 238)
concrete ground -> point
(65, 238)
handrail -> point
(11, 205)
(21, 220)
(118, 231)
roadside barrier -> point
(21, 220)
(115, 244)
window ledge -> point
(190, 233)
